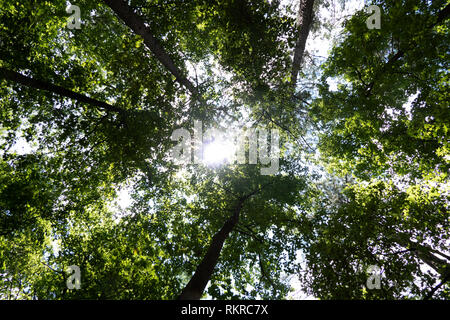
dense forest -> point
(339, 188)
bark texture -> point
(305, 15)
(136, 23)
(195, 287)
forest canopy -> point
(339, 188)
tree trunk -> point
(135, 23)
(42, 85)
(305, 14)
(195, 287)
(426, 254)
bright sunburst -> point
(218, 151)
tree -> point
(367, 126)
(97, 107)
(393, 213)
(378, 225)
(255, 207)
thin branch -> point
(238, 229)
(269, 117)
(264, 273)
(436, 288)
(57, 271)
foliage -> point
(383, 201)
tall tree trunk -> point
(135, 23)
(42, 85)
(195, 287)
(305, 14)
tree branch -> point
(136, 23)
(264, 273)
(42, 85)
(436, 288)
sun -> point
(218, 151)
